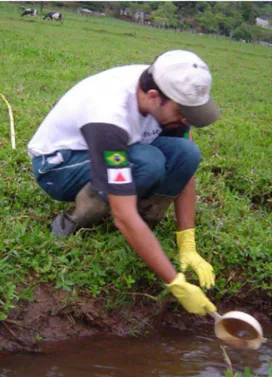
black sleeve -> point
(182, 131)
(110, 168)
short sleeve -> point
(110, 169)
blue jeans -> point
(163, 167)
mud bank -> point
(55, 315)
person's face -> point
(170, 116)
(167, 113)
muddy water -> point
(167, 353)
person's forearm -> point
(185, 206)
(143, 241)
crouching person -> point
(117, 142)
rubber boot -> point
(90, 209)
(152, 210)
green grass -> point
(40, 60)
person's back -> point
(107, 97)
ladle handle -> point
(215, 316)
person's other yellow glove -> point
(190, 296)
(188, 256)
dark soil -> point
(56, 315)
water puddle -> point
(167, 353)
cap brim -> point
(201, 116)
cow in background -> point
(84, 11)
(29, 12)
(53, 16)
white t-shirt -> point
(107, 97)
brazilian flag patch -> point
(116, 158)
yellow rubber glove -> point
(188, 256)
(190, 296)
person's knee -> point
(155, 171)
(148, 167)
(189, 153)
(194, 156)
(150, 178)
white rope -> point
(12, 129)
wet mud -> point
(55, 316)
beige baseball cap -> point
(185, 78)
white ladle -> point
(238, 329)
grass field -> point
(40, 60)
